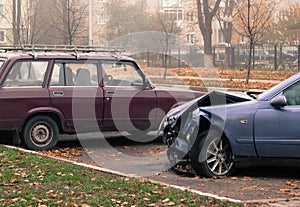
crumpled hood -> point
(214, 99)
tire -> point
(211, 155)
(40, 133)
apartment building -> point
(183, 11)
(6, 30)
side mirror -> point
(279, 101)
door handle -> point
(58, 93)
(244, 121)
(110, 92)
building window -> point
(191, 38)
(191, 16)
(171, 3)
(1, 9)
(174, 14)
(101, 19)
(2, 36)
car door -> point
(277, 130)
(75, 93)
(130, 102)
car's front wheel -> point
(40, 133)
(211, 155)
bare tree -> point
(28, 20)
(285, 29)
(254, 18)
(207, 10)
(170, 30)
(34, 22)
(69, 20)
(124, 18)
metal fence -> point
(269, 56)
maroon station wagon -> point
(45, 94)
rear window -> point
(26, 73)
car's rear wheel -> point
(40, 133)
(211, 155)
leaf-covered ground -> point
(31, 180)
(228, 78)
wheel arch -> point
(53, 114)
(206, 124)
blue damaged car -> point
(215, 131)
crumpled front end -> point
(181, 137)
(181, 126)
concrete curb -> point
(105, 170)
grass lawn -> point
(32, 180)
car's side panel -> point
(129, 108)
(277, 132)
(239, 130)
(82, 107)
(16, 103)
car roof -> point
(61, 55)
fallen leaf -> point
(293, 194)
(23, 153)
(166, 200)
(284, 190)
(73, 204)
(14, 180)
(171, 203)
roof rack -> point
(64, 48)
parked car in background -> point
(219, 130)
(49, 91)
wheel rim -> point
(219, 157)
(41, 134)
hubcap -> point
(219, 157)
(41, 135)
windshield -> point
(269, 94)
(1, 64)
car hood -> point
(181, 94)
(214, 98)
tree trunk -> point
(16, 21)
(205, 16)
(249, 62)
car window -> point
(74, 74)
(1, 63)
(26, 73)
(292, 94)
(118, 73)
